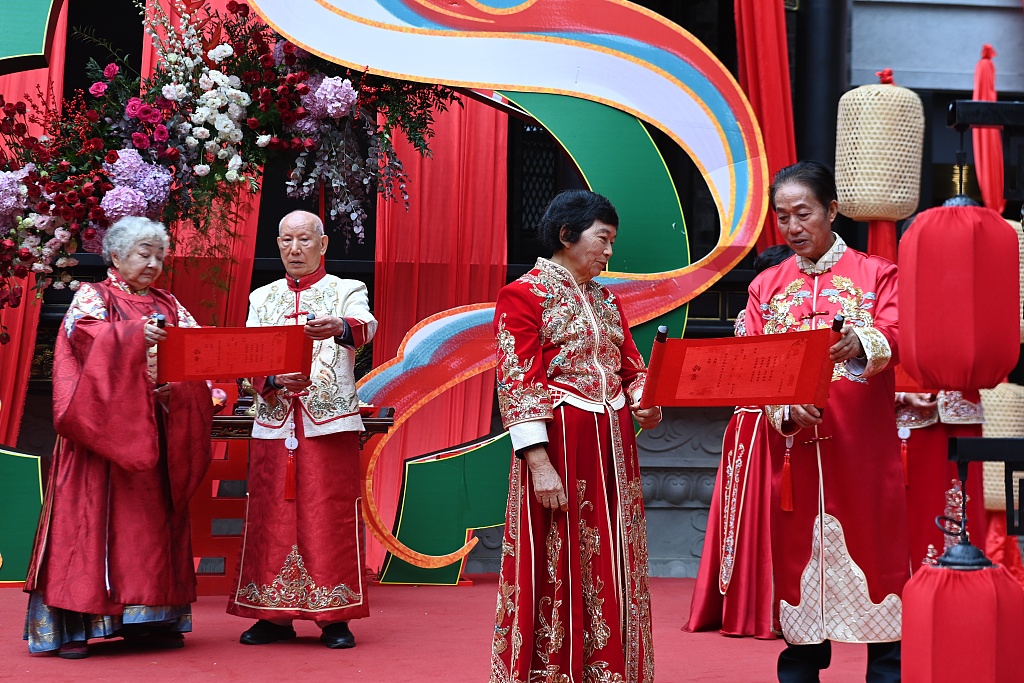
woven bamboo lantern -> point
(879, 136)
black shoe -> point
(263, 632)
(337, 636)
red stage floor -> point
(417, 634)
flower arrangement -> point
(227, 95)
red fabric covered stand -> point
(963, 625)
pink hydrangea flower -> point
(97, 89)
(110, 70)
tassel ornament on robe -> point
(786, 490)
(904, 434)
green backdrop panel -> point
(21, 499)
(442, 500)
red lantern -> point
(958, 300)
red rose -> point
(172, 153)
(63, 166)
(290, 59)
(266, 95)
(8, 244)
(92, 201)
(243, 10)
(263, 106)
(287, 118)
(302, 89)
(90, 233)
(252, 122)
(288, 48)
(20, 107)
(67, 213)
(43, 208)
(111, 156)
(296, 144)
(269, 76)
(52, 187)
(80, 210)
(25, 255)
(34, 192)
(232, 6)
(92, 115)
(88, 189)
(10, 109)
(300, 112)
(267, 60)
(19, 271)
(20, 129)
(6, 127)
(106, 187)
(309, 144)
(291, 79)
(140, 141)
(283, 105)
(71, 197)
(95, 213)
(96, 144)
(283, 90)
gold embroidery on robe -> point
(294, 588)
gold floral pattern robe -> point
(573, 598)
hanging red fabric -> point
(16, 356)
(763, 57)
(988, 140)
(447, 250)
(882, 239)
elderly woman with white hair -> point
(113, 552)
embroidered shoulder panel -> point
(87, 304)
(584, 324)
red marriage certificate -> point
(224, 352)
(768, 369)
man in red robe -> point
(302, 550)
(839, 543)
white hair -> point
(129, 232)
(311, 218)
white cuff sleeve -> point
(529, 433)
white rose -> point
(263, 141)
(200, 133)
(172, 58)
(235, 135)
(201, 169)
(183, 128)
(74, 285)
(235, 112)
(205, 82)
(234, 81)
(58, 285)
(223, 123)
(191, 142)
(235, 163)
(231, 176)
(223, 153)
(170, 92)
(212, 146)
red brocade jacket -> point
(839, 554)
(560, 342)
(114, 528)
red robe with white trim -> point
(840, 557)
(573, 598)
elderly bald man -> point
(302, 552)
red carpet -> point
(417, 634)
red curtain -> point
(21, 322)
(988, 143)
(764, 76)
(449, 249)
(221, 297)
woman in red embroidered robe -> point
(573, 598)
(839, 547)
(113, 552)
(733, 590)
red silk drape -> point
(882, 239)
(449, 249)
(21, 322)
(764, 76)
(988, 142)
(220, 299)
